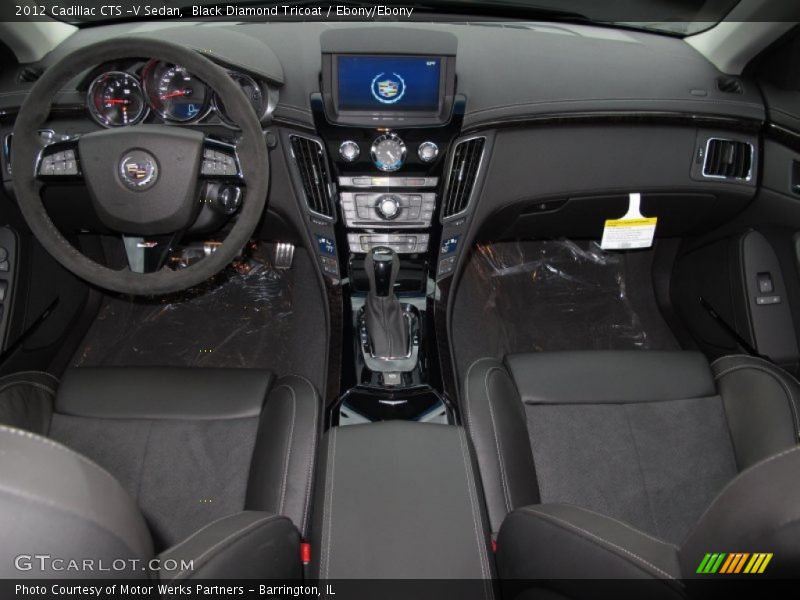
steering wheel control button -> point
(427, 152)
(388, 206)
(59, 164)
(138, 170)
(219, 164)
(349, 151)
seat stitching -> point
(568, 525)
(330, 505)
(34, 384)
(737, 478)
(791, 401)
(144, 458)
(30, 372)
(744, 356)
(223, 542)
(57, 446)
(59, 507)
(627, 526)
(641, 470)
(506, 492)
(485, 571)
(312, 458)
(288, 459)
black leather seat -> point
(195, 457)
(635, 464)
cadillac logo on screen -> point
(388, 89)
(138, 170)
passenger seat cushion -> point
(26, 400)
(762, 404)
(638, 436)
(563, 542)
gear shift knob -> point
(382, 265)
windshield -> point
(676, 17)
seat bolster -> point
(757, 512)
(246, 545)
(26, 400)
(163, 393)
(762, 406)
(284, 457)
(564, 542)
(495, 419)
(55, 501)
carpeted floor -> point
(555, 295)
(251, 315)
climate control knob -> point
(427, 151)
(349, 151)
(388, 206)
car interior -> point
(498, 296)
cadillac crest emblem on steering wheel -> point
(138, 170)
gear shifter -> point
(386, 326)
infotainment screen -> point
(389, 83)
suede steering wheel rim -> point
(253, 162)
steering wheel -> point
(142, 180)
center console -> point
(385, 119)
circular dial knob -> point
(349, 151)
(427, 151)
(388, 152)
(388, 206)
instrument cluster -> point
(117, 98)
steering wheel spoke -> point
(59, 161)
(220, 162)
(147, 255)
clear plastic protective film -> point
(565, 295)
(240, 318)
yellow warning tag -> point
(631, 231)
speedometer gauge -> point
(175, 94)
(116, 99)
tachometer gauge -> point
(253, 92)
(116, 99)
(175, 94)
(388, 152)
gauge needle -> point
(174, 94)
(116, 101)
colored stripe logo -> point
(733, 563)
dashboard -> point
(428, 136)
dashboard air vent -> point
(309, 156)
(730, 85)
(461, 175)
(30, 74)
(728, 159)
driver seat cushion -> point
(191, 445)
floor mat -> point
(556, 295)
(248, 316)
